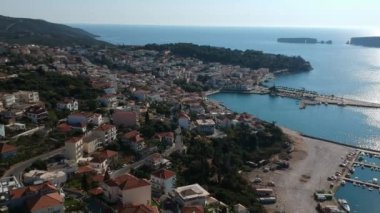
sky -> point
(284, 13)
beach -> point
(312, 161)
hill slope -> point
(25, 31)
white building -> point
(106, 132)
(163, 181)
(55, 177)
(191, 195)
(74, 148)
(28, 97)
(68, 104)
(8, 99)
(127, 189)
(205, 126)
(91, 143)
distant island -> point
(248, 58)
(373, 41)
(303, 41)
(34, 31)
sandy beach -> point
(311, 163)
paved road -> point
(18, 168)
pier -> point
(313, 98)
(371, 166)
(359, 182)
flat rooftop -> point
(191, 191)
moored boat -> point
(344, 204)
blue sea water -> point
(339, 69)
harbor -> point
(305, 97)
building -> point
(7, 99)
(91, 143)
(27, 97)
(7, 151)
(205, 126)
(163, 181)
(68, 104)
(193, 209)
(106, 133)
(125, 119)
(128, 190)
(134, 140)
(190, 195)
(84, 118)
(36, 113)
(55, 177)
(109, 100)
(139, 209)
(2, 130)
(39, 198)
(238, 208)
(74, 148)
(6, 185)
(184, 120)
(165, 137)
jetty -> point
(313, 98)
(359, 182)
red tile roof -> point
(6, 148)
(84, 169)
(127, 181)
(20, 192)
(45, 201)
(139, 209)
(193, 209)
(105, 127)
(108, 153)
(163, 174)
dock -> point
(359, 182)
(371, 166)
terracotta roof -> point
(97, 178)
(20, 192)
(164, 134)
(45, 201)
(134, 136)
(105, 127)
(127, 181)
(193, 209)
(74, 140)
(5, 148)
(84, 169)
(163, 174)
(108, 153)
(139, 209)
(63, 127)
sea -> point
(339, 69)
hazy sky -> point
(310, 13)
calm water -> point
(339, 69)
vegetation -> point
(191, 86)
(215, 163)
(53, 87)
(33, 31)
(248, 58)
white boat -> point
(343, 183)
(343, 203)
(370, 188)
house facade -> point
(107, 133)
(68, 104)
(74, 148)
(163, 181)
(127, 189)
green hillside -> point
(34, 31)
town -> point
(120, 129)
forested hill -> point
(248, 58)
(34, 31)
